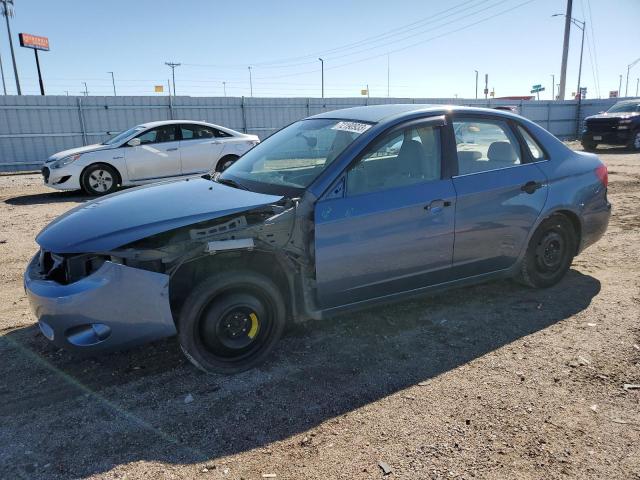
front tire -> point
(549, 253)
(99, 179)
(231, 322)
(589, 146)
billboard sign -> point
(33, 41)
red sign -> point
(33, 41)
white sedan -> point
(147, 153)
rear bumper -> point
(618, 137)
(115, 307)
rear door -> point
(156, 157)
(200, 148)
(500, 194)
(390, 227)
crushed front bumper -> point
(115, 307)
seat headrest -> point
(502, 152)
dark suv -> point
(620, 125)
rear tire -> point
(225, 162)
(549, 253)
(99, 179)
(231, 322)
(589, 146)
(634, 141)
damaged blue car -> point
(338, 211)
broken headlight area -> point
(66, 269)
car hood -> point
(74, 151)
(614, 115)
(121, 218)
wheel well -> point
(577, 225)
(102, 163)
(190, 274)
(225, 158)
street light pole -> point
(4, 85)
(6, 12)
(86, 91)
(113, 81)
(584, 24)
(476, 83)
(224, 88)
(250, 81)
(620, 87)
(553, 87)
(322, 69)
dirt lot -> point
(493, 381)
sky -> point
(402, 48)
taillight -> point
(603, 175)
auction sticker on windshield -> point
(355, 127)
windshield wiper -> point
(231, 183)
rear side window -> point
(165, 133)
(534, 148)
(485, 144)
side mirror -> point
(134, 142)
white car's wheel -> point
(99, 179)
(225, 162)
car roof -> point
(634, 100)
(388, 112)
(159, 123)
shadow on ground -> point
(49, 197)
(86, 416)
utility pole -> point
(388, 76)
(620, 87)
(250, 82)
(322, 69)
(4, 85)
(86, 91)
(486, 85)
(553, 87)
(6, 12)
(169, 86)
(637, 83)
(113, 82)
(367, 90)
(173, 66)
(224, 88)
(583, 28)
(476, 83)
(565, 50)
(626, 89)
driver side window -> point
(400, 158)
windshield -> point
(624, 107)
(123, 135)
(296, 155)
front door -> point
(199, 148)
(390, 229)
(499, 195)
(157, 156)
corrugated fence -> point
(33, 128)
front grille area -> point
(45, 173)
(602, 125)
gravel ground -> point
(493, 381)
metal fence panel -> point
(34, 127)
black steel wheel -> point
(550, 253)
(589, 146)
(231, 322)
(634, 141)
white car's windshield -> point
(296, 155)
(123, 135)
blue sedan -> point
(338, 211)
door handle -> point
(437, 205)
(531, 187)
(172, 149)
